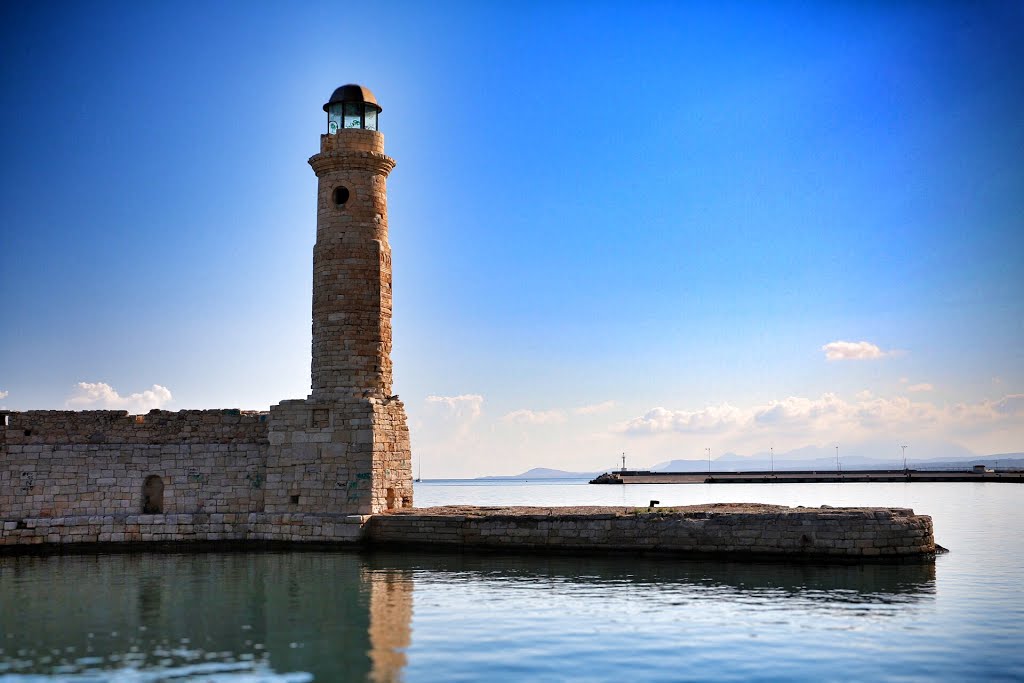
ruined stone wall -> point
(336, 457)
(721, 530)
(58, 463)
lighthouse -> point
(345, 448)
(352, 257)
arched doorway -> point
(153, 495)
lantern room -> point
(351, 106)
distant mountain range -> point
(546, 473)
(809, 458)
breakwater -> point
(806, 477)
(742, 531)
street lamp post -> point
(904, 447)
(771, 454)
(709, 459)
(839, 468)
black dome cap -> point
(353, 93)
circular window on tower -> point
(340, 196)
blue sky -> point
(616, 226)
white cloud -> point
(524, 416)
(102, 396)
(710, 419)
(829, 414)
(797, 410)
(463, 406)
(1008, 409)
(442, 425)
(602, 407)
(862, 350)
(1009, 405)
(923, 386)
(4, 394)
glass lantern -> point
(352, 107)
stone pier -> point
(739, 531)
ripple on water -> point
(340, 616)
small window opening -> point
(28, 432)
(295, 500)
(140, 419)
(391, 499)
(153, 495)
(340, 196)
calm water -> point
(327, 616)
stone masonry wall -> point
(59, 463)
(392, 457)
(342, 456)
(716, 529)
(338, 457)
(182, 528)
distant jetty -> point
(975, 474)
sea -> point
(297, 616)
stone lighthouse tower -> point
(352, 258)
(346, 448)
